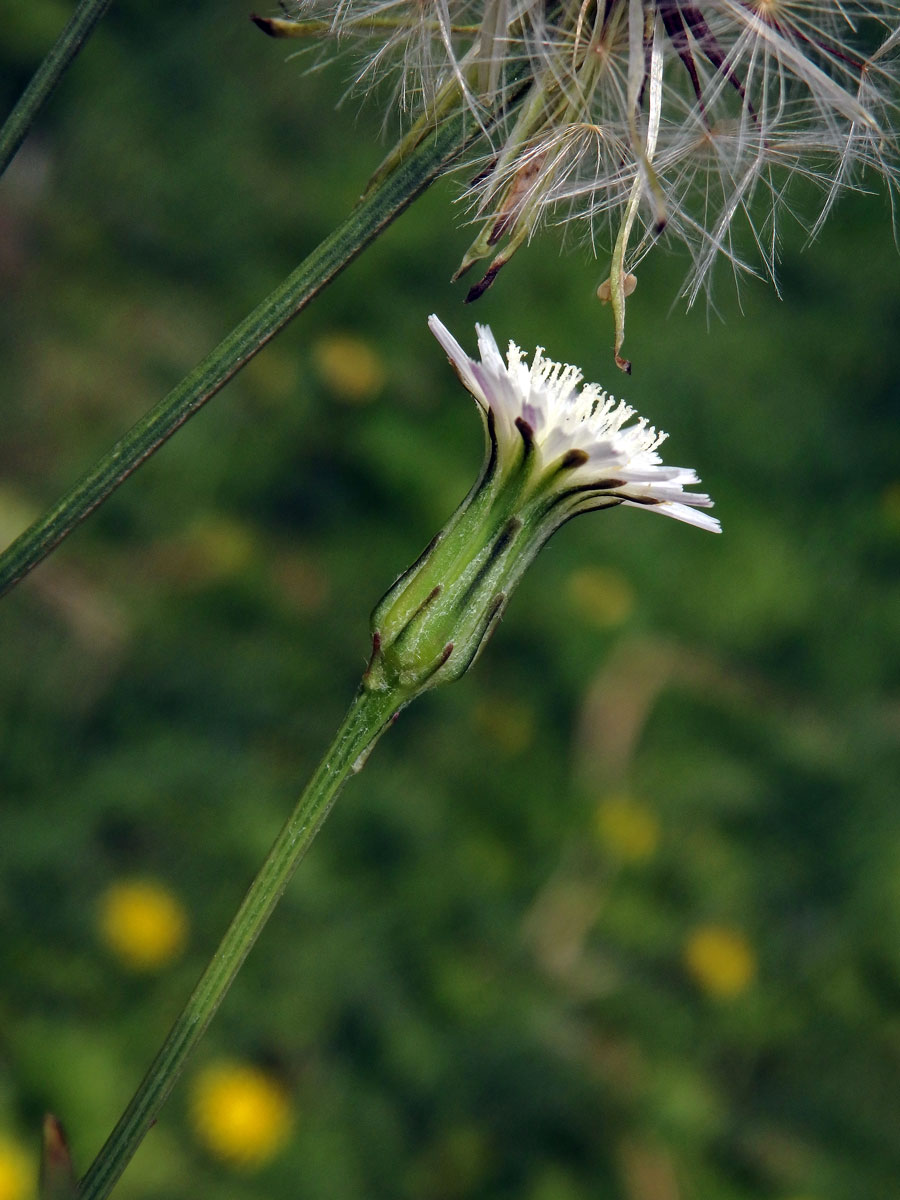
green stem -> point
(369, 715)
(407, 180)
(47, 76)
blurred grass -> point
(469, 991)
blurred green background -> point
(616, 917)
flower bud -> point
(552, 452)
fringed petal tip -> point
(588, 428)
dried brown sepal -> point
(516, 198)
(477, 290)
(278, 27)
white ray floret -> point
(544, 403)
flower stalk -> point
(57, 61)
(368, 717)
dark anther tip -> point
(623, 364)
(526, 431)
(572, 459)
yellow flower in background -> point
(627, 828)
(18, 1173)
(240, 1114)
(349, 367)
(142, 924)
(600, 596)
(720, 960)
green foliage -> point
(479, 983)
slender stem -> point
(47, 76)
(367, 718)
(407, 180)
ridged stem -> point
(47, 76)
(368, 716)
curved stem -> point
(47, 76)
(407, 180)
(369, 715)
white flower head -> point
(579, 435)
(555, 449)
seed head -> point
(637, 119)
